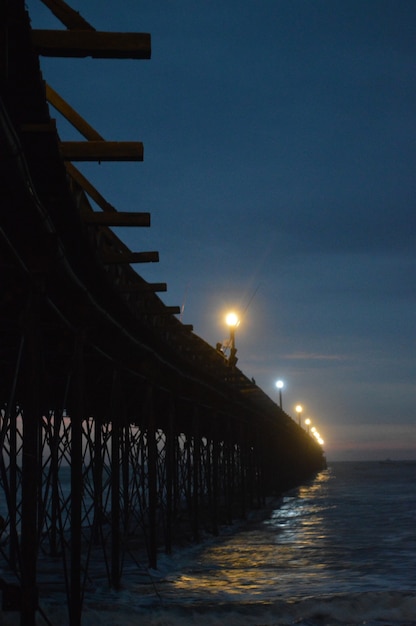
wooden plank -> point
(68, 17)
(123, 218)
(144, 288)
(101, 150)
(84, 43)
(130, 257)
(71, 115)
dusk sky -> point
(279, 171)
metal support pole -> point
(10, 482)
(196, 458)
(115, 483)
(13, 488)
(170, 472)
(126, 476)
(152, 477)
(76, 415)
(229, 475)
(188, 477)
(55, 504)
(31, 416)
(215, 494)
(208, 473)
(243, 469)
(98, 480)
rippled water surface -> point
(350, 530)
(339, 551)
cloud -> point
(305, 356)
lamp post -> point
(232, 322)
(280, 384)
(307, 423)
(299, 409)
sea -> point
(339, 550)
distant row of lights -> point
(299, 409)
(233, 321)
(310, 429)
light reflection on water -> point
(264, 559)
(334, 535)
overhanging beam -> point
(126, 257)
(123, 218)
(144, 288)
(101, 150)
(88, 43)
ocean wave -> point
(358, 609)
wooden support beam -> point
(126, 257)
(101, 150)
(171, 310)
(84, 43)
(70, 18)
(71, 115)
(144, 288)
(116, 219)
(93, 193)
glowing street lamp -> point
(232, 321)
(308, 423)
(317, 436)
(280, 384)
(299, 409)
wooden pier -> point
(121, 430)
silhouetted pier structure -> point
(121, 430)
